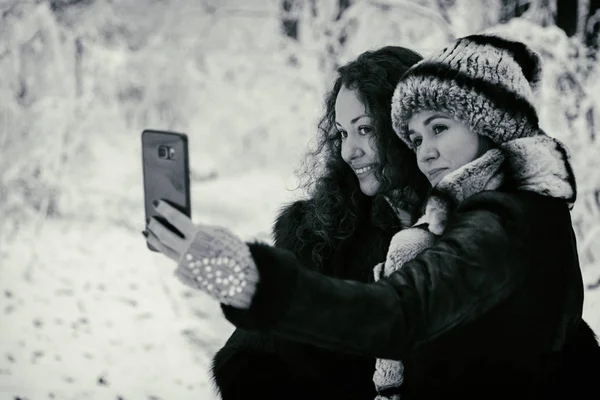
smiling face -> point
(355, 126)
(443, 144)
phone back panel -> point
(166, 172)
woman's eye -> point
(437, 129)
(417, 142)
(365, 130)
(343, 134)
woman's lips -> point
(434, 173)
(363, 170)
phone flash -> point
(166, 152)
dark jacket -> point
(484, 313)
(263, 366)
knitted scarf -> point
(539, 164)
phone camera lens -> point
(163, 152)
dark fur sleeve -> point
(268, 367)
(580, 362)
(428, 296)
(286, 226)
(289, 233)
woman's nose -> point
(352, 149)
(428, 152)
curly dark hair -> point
(337, 204)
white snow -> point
(86, 311)
(100, 316)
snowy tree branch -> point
(592, 21)
(426, 12)
(541, 12)
(442, 11)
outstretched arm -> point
(481, 258)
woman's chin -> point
(369, 188)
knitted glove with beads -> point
(220, 264)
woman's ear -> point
(485, 144)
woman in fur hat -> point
(341, 231)
(481, 296)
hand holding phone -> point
(165, 162)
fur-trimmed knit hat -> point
(485, 81)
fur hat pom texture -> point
(485, 81)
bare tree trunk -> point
(512, 9)
(79, 50)
(521, 7)
(290, 15)
(289, 18)
(589, 116)
(566, 16)
(592, 27)
(60, 5)
(343, 5)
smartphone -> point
(166, 171)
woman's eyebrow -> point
(354, 120)
(435, 116)
(359, 117)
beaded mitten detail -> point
(220, 264)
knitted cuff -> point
(219, 263)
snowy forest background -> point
(86, 311)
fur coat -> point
(261, 365)
(490, 308)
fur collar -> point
(541, 164)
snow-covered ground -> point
(88, 312)
(101, 318)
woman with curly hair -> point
(356, 174)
